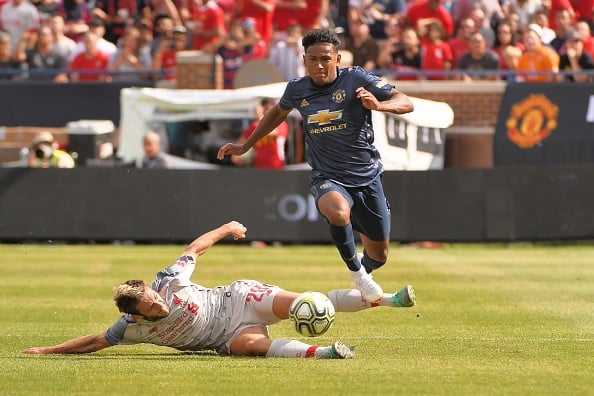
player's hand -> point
(230, 148)
(238, 230)
(368, 99)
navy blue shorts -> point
(370, 210)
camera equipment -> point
(43, 151)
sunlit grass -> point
(491, 319)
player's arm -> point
(85, 344)
(201, 244)
(272, 118)
(397, 102)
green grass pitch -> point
(491, 319)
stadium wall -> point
(108, 204)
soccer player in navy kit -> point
(335, 104)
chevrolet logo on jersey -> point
(324, 117)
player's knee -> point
(376, 261)
(335, 208)
(338, 215)
(339, 219)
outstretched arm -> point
(201, 244)
(397, 102)
(84, 344)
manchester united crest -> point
(532, 120)
(338, 96)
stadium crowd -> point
(131, 40)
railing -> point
(24, 74)
(497, 74)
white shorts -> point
(251, 303)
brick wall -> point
(198, 70)
(475, 104)
(469, 141)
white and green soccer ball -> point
(312, 313)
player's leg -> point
(281, 303)
(372, 218)
(254, 341)
(334, 204)
(335, 207)
(351, 300)
(375, 253)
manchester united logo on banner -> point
(532, 120)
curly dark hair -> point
(320, 36)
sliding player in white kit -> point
(231, 319)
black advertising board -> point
(545, 124)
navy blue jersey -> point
(338, 129)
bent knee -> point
(335, 208)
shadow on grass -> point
(189, 355)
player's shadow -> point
(185, 355)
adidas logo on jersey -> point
(304, 103)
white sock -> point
(350, 300)
(359, 274)
(292, 348)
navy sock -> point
(369, 263)
(344, 239)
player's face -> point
(152, 306)
(321, 61)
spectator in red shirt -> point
(206, 23)
(262, 11)
(552, 6)
(313, 16)
(285, 12)
(583, 9)
(461, 42)
(422, 12)
(92, 59)
(164, 58)
(268, 152)
(435, 53)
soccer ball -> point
(312, 313)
